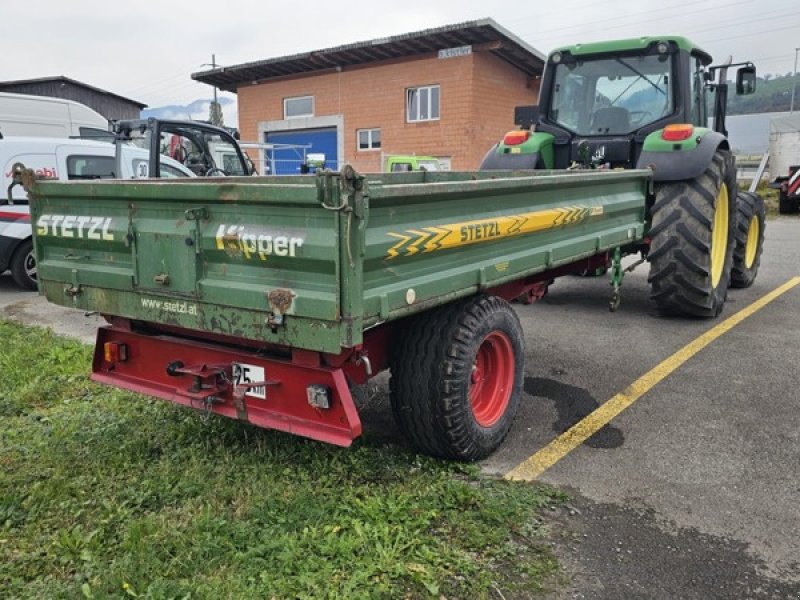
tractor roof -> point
(633, 44)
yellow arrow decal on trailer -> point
(453, 235)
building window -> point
(369, 139)
(422, 103)
(302, 106)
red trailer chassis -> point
(298, 391)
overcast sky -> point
(147, 49)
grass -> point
(104, 494)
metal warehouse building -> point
(448, 92)
(111, 106)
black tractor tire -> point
(786, 205)
(23, 266)
(750, 226)
(457, 375)
(681, 233)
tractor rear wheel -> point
(750, 225)
(457, 377)
(692, 242)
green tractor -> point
(645, 103)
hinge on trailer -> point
(197, 215)
(74, 289)
(351, 187)
(20, 175)
(352, 199)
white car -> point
(64, 159)
(43, 116)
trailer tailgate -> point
(219, 256)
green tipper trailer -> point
(263, 299)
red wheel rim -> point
(492, 379)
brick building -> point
(448, 92)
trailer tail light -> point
(115, 352)
(319, 396)
(677, 132)
(514, 138)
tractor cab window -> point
(698, 94)
(613, 96)
(203, 152)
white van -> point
(64, 159)
(42, 116)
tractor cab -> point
(203, 149)
(599, 102)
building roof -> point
(485, 33)
(4, 85)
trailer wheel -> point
(692, 243)
(457, 377)
(750, 225)
(23, 266)
(786, 205)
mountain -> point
(773, 94)
(196, 110)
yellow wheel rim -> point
(719, 236)
(753, 233)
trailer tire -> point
(750, 226)
(23, 266)
(691, 250)
(457, 376)
(786, 205)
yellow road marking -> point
(534, 466)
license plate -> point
(244, 373)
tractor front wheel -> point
(750, 224)
(691, 251)
(457, 377)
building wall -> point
(478, 93)
(498, 88)
(108, 106)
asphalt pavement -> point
(694, 490)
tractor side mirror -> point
(746, 80)
(525, 116)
